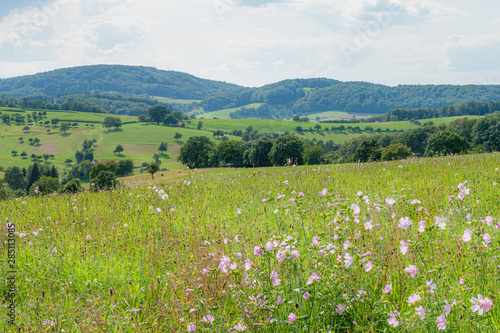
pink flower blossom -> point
(413, 298)
(279, 300)
(301, 194)
(359, 193)
(481, 304)
(275, 280)
(324, 192)
(387, 289)
(248, 265)
(355, 209)
(392, 319)
(158, 210)
(368, 225)
(467, 236)
(313, 277)
(285, 182)
(239, 211)
(348, 260)
(441, 322)
(412, 270)
(486, 239)
(368, 266)
(306, 295)
(390, 202)
(404, 223)
(295, 254)
(240, 327)
(432, 286)
(421, 226)
(280, 256)
(440, 222)
(415, 201)
(258, 251)
(192, 310)
(207, 319)
(404, 247)
(206, 270)
(340, 309)
(292, 317)
(447, 308)
(421, 312)
(488, 220)
(191, 327)
(346, 245)
(315, 241)
(462, 281)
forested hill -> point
(135, 80)
(278, 100)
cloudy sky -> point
(256, 42)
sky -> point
(257, 42)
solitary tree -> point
(68, 161)
(118, 149)
(46, 157)
(64, 126)
(24, 154)
(200, 125)
(153, 168)
(163, 147)
(177, 136)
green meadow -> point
(383, 247)
(224, 114)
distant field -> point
(332, 115)
(139, 140)
(224, 114)
(177, 101)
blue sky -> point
(256, 42)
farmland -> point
(394, 246)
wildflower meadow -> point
(397, 246)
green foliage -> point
(72, 186)
(365, 150)
(200, 125)
(15, 178)
(105, 180)
(158, 113)
(287, 149)
(64, 127)
(82, 170)
(231, 152)
(396, 151)
(153, 168)
(34, 175)
(444, 143)
(110, 166)
(163, 147)
(258, 154)
(109, 122)
(125, 167)
(177, 136)
(313, 154)
(196, 152)
(118, 149)
(45, 185)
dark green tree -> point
(15, 178)
(313, 154)
(177, 136)
(396, 151)
(231, 152)
(33, 176)
(259, 153)
(125, 167)
(72, 186)
(105, 180)
(46, 157)
(118, 149)
(64, 127)
(163, 147)
(365, 149)
(45, 185)
(110, 166)
(287, 149)
(445, 142)
(196, 152)
(200, 125)
(158, 113)
(153, 168)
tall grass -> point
(283, 249)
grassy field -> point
(332, 115)
(176, 101)
(139, 140)
(224, 114)
(396, 247)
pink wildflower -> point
(412, 270)
(369, 266)
(387, 289)
(292, 317)
(390, 202)
(191, 327)
(295, 254)
(348, 260)
(340, 309)
(481, 304)
(207, 319)
(392, 319)
(275, 280)
(467, 236)
(324, 192)
(315, 241)
(441, 322)
(258, 251)
(421, 312)
(404, 223)
(412, 299)
(248, 264)
(306, 295)
(486, 239)
(404, 247)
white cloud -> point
(257, 42)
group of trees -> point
(162, 114)
(36, 179)
(109, 122)
(200, 152)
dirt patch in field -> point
(47, 147)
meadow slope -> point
(396, 246)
